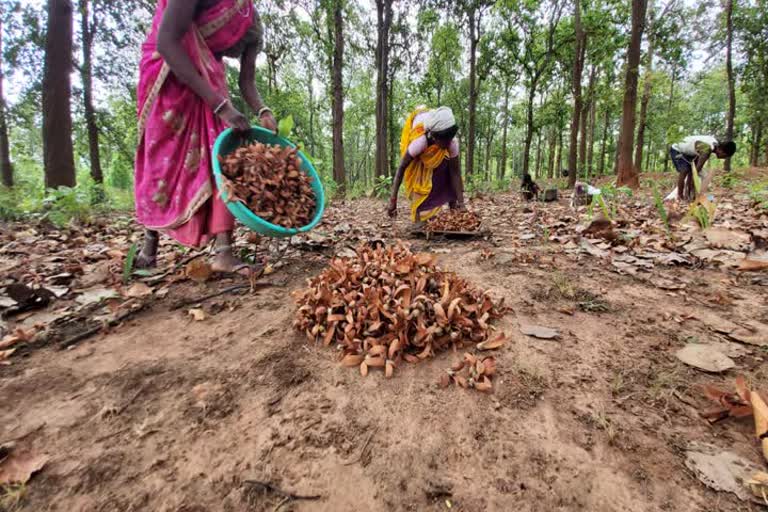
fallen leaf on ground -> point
(138, 290)
(5, 354)
(705, 357)
(722, 238)
(760, 410)
(543, 333)
(17, 466)
(753, 265)
(17, 336)
(720, 470)
(758, 484)
(96, 295)
(493, 344)
(198, 270)
(198, 315)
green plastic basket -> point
(229, 141)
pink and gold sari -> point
(173, 181)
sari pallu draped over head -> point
(177, 129)
(418, 174)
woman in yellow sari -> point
(429, 164)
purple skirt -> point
(442, 190)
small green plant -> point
(383, 186)
(660, 208)
(758, 193)
(130, 258)
(64, 205)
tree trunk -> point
(646, 93)
(592, 128)
(488, 147)
(604, 142)
(754, 160)
(626, 170)
(586, 107)
(384, 22)
(58, 155)
(339, 174)
(578, 67)
(731, 80)
(529, 130)
(538, 154)
(559, 159)
(670, 102)
(505, 128)
(5, 155)
(474, 38)
(551, 154)
(88, 31)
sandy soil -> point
(167, 414)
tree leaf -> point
(285, 127)
(130, 258)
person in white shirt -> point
(696, 150)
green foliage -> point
(758, 192)
(383, 187)
(285, 127)
(658, 202)
(130, 258)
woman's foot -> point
(147, 257)
(224, 262)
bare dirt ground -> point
(163, 413)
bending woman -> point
(430, 164)
(183, 105)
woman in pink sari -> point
(183, 105)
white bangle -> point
(220, 106)
(264, 110)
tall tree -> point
(729, 132)
(384, 15)
(646, 99)
(578, 67)
(336, 22)
(5, 156)
(626, 170)
(89, 25)
(58, 154)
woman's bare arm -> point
(247, 83)
(178, 17)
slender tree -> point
(337, 27)
(626, 170)
(5, 156)
(384, 14)
(729, 131)
(578, 67)
(88, 27)
(646, 99)
(58, 154)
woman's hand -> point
(392, 207)
(234, 118)
(268, 121)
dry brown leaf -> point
(5, 354)
(760, 410)
(18, 466)
(445, 381)
(496, 343)
(750, 265)
(137, 291)
(363, 369)
(352, 360)
(198, 270)
(484, 385)
(389, 370)
(197, 314)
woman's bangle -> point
(221, 106)
(264, 110)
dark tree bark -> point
(584, 119)
(604, 142)
(731, 80)
(88, 30)
(551, 154)
(626, 170)
(537, 172)
(383, 23)
(757, 142)
(339, 173)
(58, 155)
(505, 128)
(646, 99)
(5, 154)
(592, 128)
(474, 39)
(578, 68)
(670, 102)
